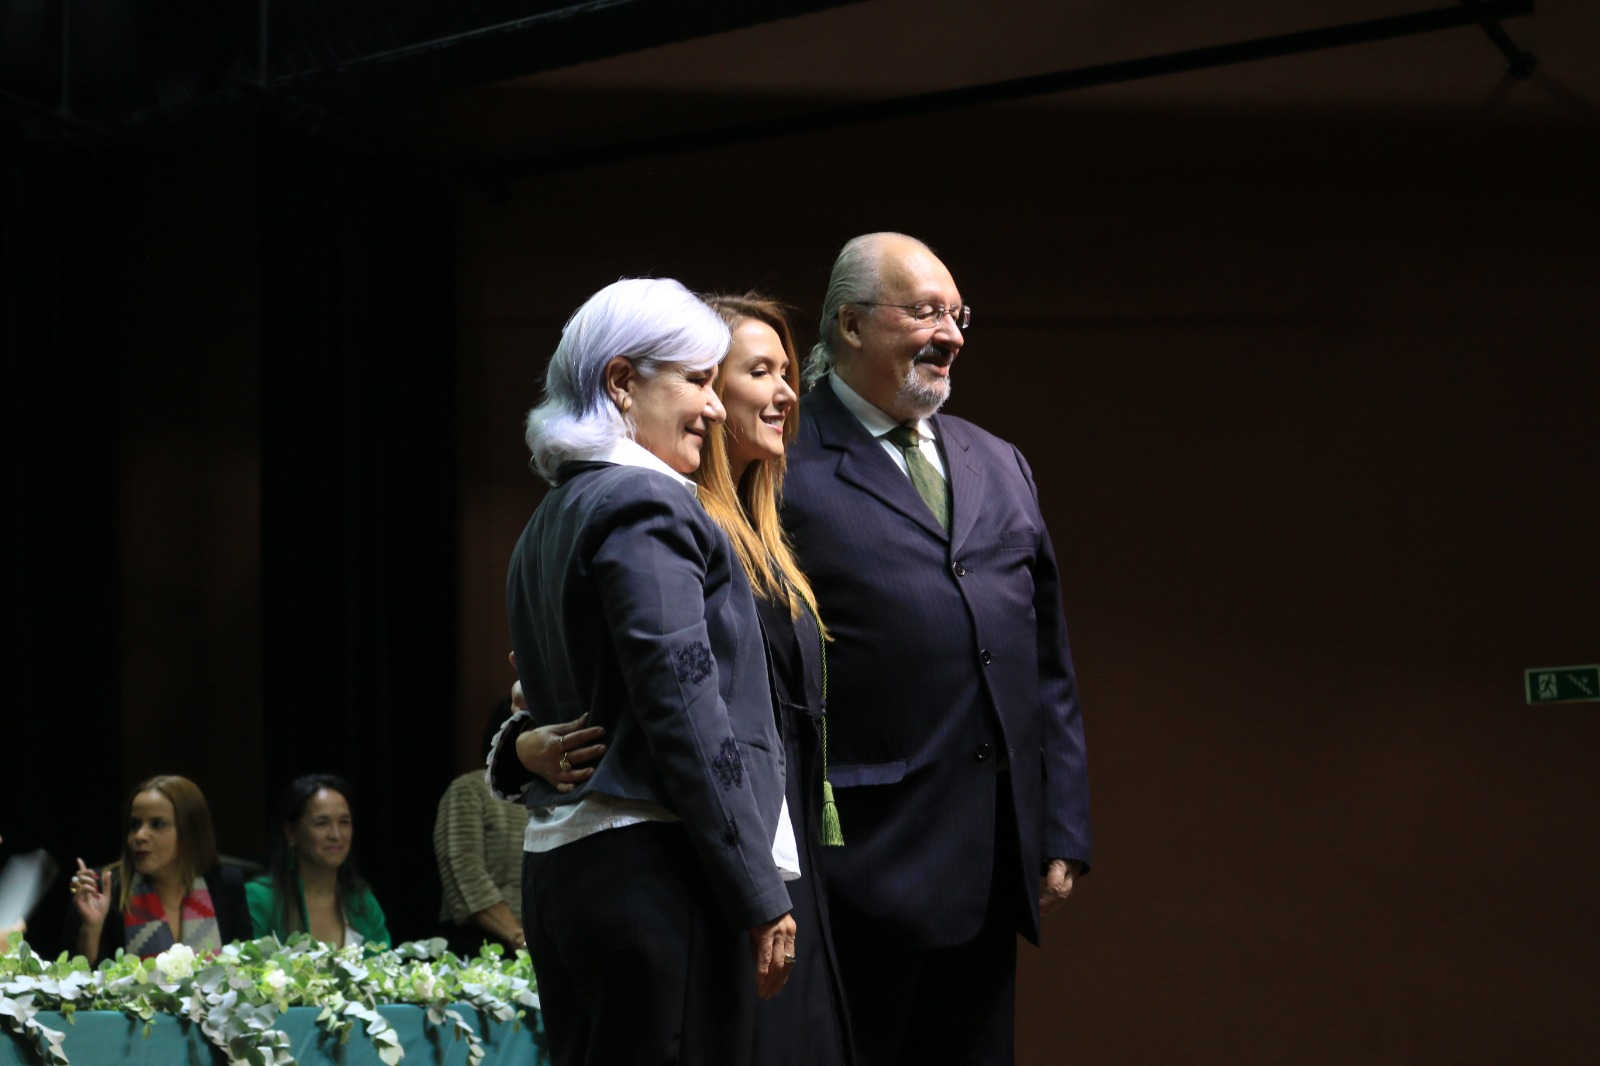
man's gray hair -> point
(649, 321)
(856, 277)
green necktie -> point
(930, 484)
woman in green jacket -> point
(311, 883)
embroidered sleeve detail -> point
(692, 663)
(729, 767)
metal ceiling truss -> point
(190, 70)
(200, 70)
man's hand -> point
(1056, 885)
(772, 944)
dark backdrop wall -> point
(1305, 399)
(187, 357)
(60, 661)
(358, 497)
(231, 379)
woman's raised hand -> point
(90, 894)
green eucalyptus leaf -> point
(237, 995)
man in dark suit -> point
(955, 745)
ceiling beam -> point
(203, 69)
(943, 101)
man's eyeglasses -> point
(928, 314)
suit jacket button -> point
(982, 752)
(984, 657)
(960, 570)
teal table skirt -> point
(102, 1038)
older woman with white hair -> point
(628, 604)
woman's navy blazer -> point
(627, 603)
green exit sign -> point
(1562, 684)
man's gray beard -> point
(922, 398)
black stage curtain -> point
(358, 503)
(60, 785)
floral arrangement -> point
(236, 995)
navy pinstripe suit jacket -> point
(949, 677)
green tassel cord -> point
(832, 835)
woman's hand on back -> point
(559, 753)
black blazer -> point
(224, 882)
(949, 678)
(626, 602)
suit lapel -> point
(967, 482)
(863, 462)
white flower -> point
(176, 963)
(276, 980)
(422, 980)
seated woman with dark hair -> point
(311, 884)
(169, 887)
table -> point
(102, 1038)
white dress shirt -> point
(879, 424)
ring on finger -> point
(788, 958)
(565, 765)
(561, 742)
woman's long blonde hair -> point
(748, 512)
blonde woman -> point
(741, 479)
